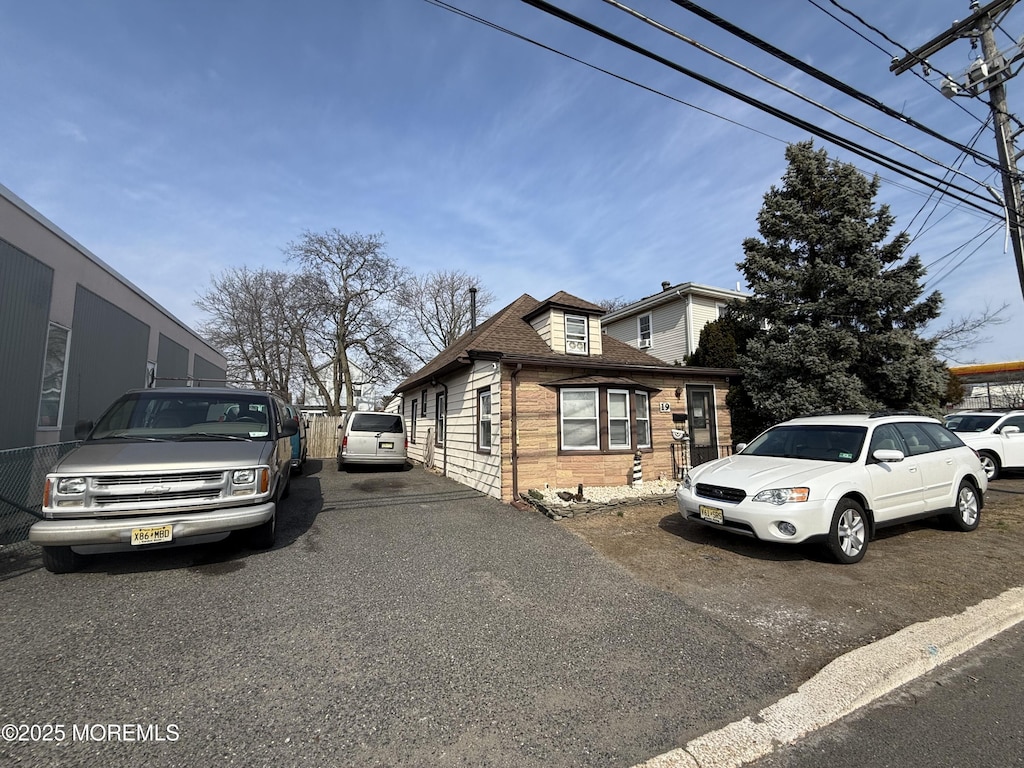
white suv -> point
(837, 479)
(997, 436)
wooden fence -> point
(322, 437)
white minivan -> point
(372, 438)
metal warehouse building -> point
(74, 334)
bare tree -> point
(964, 333)
(344, 302)
(437, 310)
(610, 305)
(248, 321)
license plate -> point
(388, 445)
(156, 535)
(713, 514)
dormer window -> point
(576, 340)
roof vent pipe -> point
(472, 308)
(666, 285)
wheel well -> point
(868, 512)
(976, 485)
(992, 455)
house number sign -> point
(665, 407)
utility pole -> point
(986, 75)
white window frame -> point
(440, 406)
(483, 431)
(644, 339)
(643, 415)
(577, 343)
(61, 382)
(595, 419)
(624, 393)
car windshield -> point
(815, 442)
(377, 422)
(971, 422)
(156, 415)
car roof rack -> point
(880, 414)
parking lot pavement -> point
(401, 619)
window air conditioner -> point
(645, 343)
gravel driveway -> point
(402, 619)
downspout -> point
(514, 383)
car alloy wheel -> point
(968, 507)
(848, 534)
(990, 464)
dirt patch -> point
(795, 600)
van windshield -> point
(377, 422)
(160, 415)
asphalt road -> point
(401, 620)
(966, 713)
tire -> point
(848, 534)
(990, 463)
(967, 514)
(263, 536)
(61, 560)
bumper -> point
(393, 461)
(760, 520)
(118, 531)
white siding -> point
(466, 464)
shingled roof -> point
(508, 335)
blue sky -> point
(177, 139)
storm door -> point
(700, 405)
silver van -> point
(372, 438)
(167, 467)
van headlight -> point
(243, 476)
(783, 495)
(71, 486)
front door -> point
(700, 405)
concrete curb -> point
(847, 684)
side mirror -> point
(83, 428)
(887, 455)
(1009, 429)
(740, 447)
(289, 427)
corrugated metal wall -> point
(206, 374)
(25, 289)
(107, 357)
(171, 363)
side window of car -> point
(1014, 421)
(887, 438)
(916, 439)
(941, 436)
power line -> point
(497, 27)
(917, 74)
(763, 78)
(973, 209)
(876, 157)
(819, 75)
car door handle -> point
(913, 469)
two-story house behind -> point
(668, 324)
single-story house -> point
(537, 395)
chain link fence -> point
(22, 476)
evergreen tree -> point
(841, 308)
